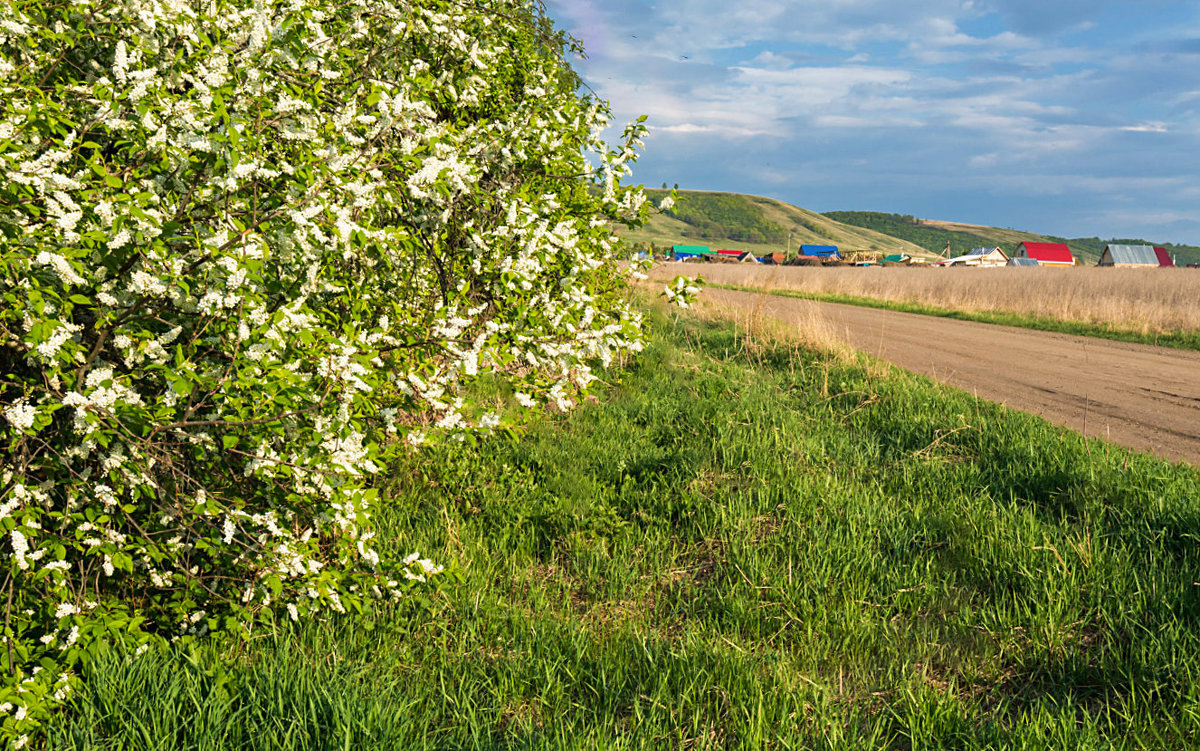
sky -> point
(1076, 118)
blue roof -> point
(819, 250)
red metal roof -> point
(1164, 258)
(726, 252)
(1049, 252)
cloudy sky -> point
(1068, 117)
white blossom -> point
(65, 609)
(61, 266)
(21, 414)
(20, 549)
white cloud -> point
(727, 131)
(1146, 128)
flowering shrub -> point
(683, 291)
(248, 249)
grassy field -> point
(1175, 339)
(745, 543)
(1149, 305)
(805, 227)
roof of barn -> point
(1140, 255)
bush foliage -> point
(248, 250)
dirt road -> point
(1143, 397)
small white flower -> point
(21, 415)
(71, 637)
(62, 267)
(20, 548)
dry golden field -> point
(1147, 301)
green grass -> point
(742, 545)
(719, 216)
(1174, 339)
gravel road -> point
(1135, 395)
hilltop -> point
(755, 223)
(933, 235)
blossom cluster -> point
(683, 291)
(248, 251)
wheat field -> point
(1147, 301)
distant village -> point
(1025, 254)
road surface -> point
(1135, 395)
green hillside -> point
(933, 235)
(762, 225)
(723, 216)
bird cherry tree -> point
(249, 249)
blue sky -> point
(1068, 117)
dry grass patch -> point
(761, 333)
(1146, 301)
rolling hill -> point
(762, 225)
